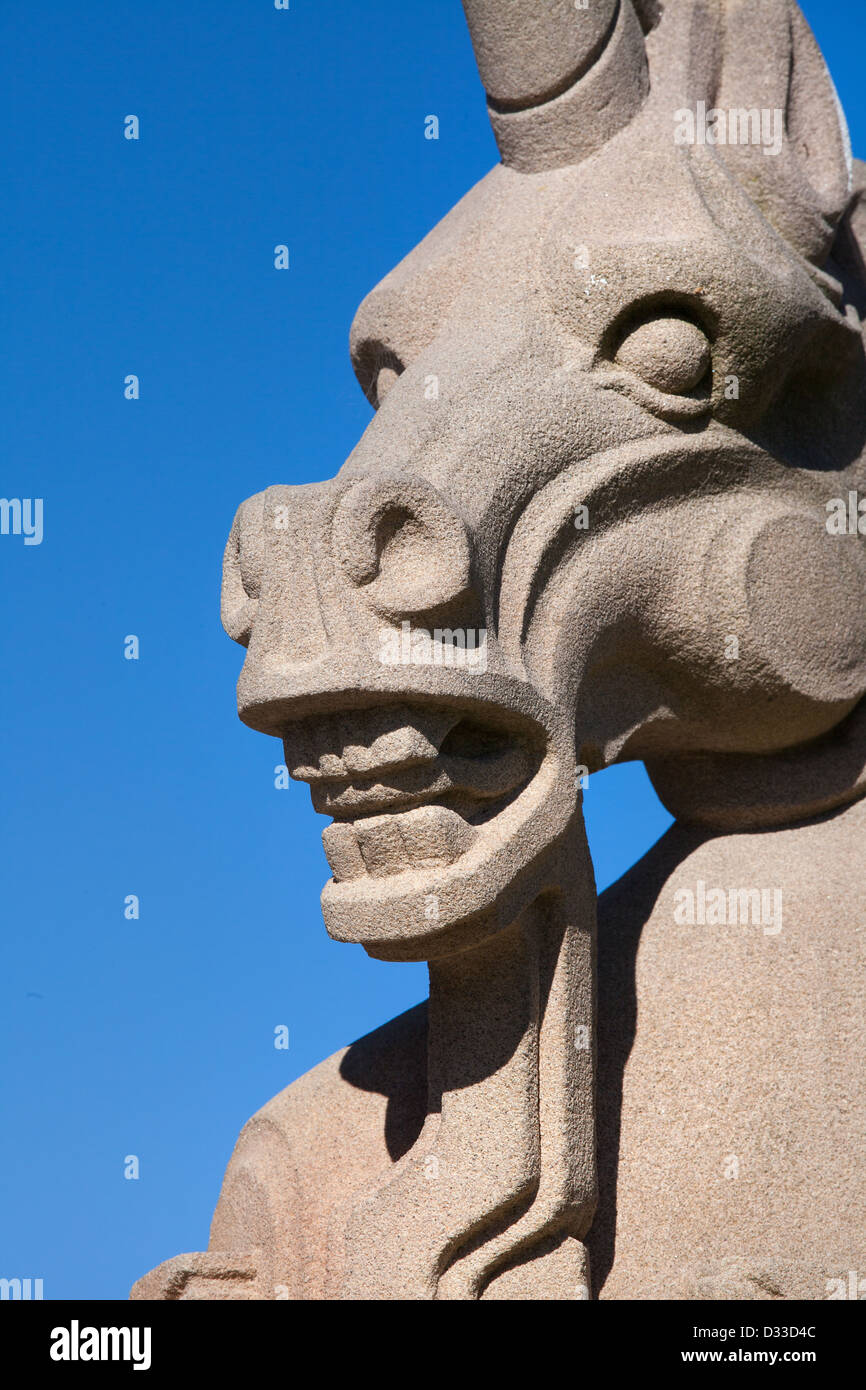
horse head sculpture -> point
(615, 389)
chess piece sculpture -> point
(608, 508)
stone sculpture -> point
(608, 508)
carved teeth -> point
(381, 845)
(326, 738)
(411, 786)
(300, 757)
(435, 836)
(330, 765)
(368, 741)
(340, 844)
(425, 838)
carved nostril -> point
(242, 570)
(399, 541)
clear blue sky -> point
(155, 1037)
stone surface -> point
(620, 396)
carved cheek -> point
(804, 589)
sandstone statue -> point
(609, 508)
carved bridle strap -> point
(505, 1162)
(565, 1197)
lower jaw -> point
(426, 910)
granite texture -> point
(619, 400)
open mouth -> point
(408, 786)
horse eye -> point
(671, 354)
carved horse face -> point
(615, 389)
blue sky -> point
(155, 257)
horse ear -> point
(801, 176)
(850, 246)
(561, 78)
